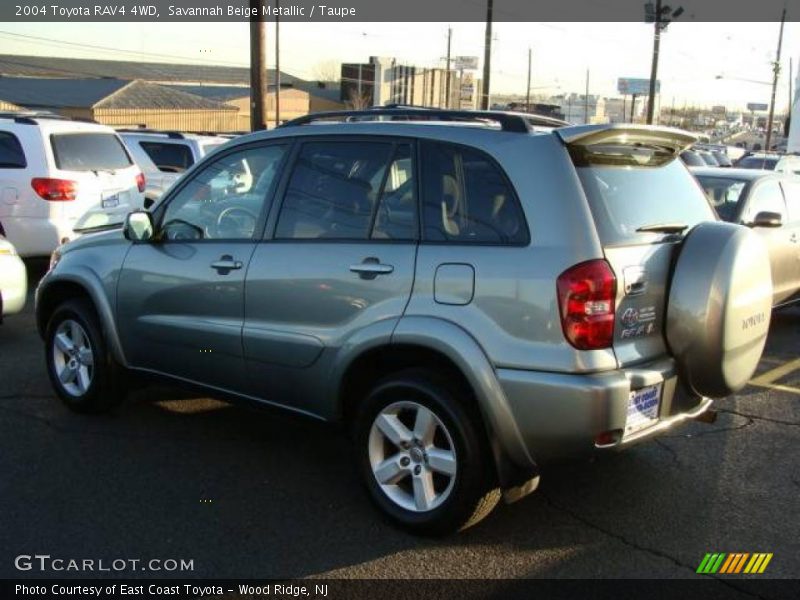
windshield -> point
(724, 194)
(89, 152)
(623, 199)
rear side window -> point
(623, 199)
(349, 191)
(467, 199)
(89, 152)
(169, 158)
(11, 154)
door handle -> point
(226, 263)
(371, 268)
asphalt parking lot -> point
(245, 493)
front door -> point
(180, 303)
(340, 262)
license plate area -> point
(643, 408)
(110, 200)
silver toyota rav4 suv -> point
(469, 296)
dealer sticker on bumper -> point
(643, 408)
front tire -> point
(423, 454)
(81, 370)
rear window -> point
(623, 199)
(751, 162)
(169, 158)
(89, 152)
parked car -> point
(521, 298)
(758, 160)
(707, 157)
(788, 163)
(692, 159)
(13, 280)
(722, 159)
(164, 155)
(769, 202)
(60, 177)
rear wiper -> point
(663, 228)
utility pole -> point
(487, 55)
(258, 72)
(528, 89)
(651, 103)
(277, 65)
(586, 100)
(447, 70)
(633, 105)
(776, 70)
(660, 16)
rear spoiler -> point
(668, 138)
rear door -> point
(338, 261)
(643, 199)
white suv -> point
(60, 178)
(164, 155)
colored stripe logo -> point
(734, 563)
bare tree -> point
(359, 101)
(327, 70)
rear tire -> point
(82, 371)
(423, 455)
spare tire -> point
(719, 307)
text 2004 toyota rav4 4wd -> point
(470, 299)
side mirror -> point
(767, 219)
(138, 226)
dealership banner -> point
(704, 587)
(450, 11)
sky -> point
(701, 63)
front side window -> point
(224, 200)
(724, 194)
(468, 199)
(169, 158)
(11, 154)
(767, 197)
(89, 152)
(347, 190)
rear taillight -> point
(586, 295)
(55, 190)
(140, 181)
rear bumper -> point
(561, 415)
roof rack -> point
(26, 117)
(173, 135)
(508, 122)
(532, 118)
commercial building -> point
(161, 95)
(119, 102)
(383, 81)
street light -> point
(743, 79)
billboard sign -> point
(754, 106)
(636, 86)
(465, 63)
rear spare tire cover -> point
(719, 307)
